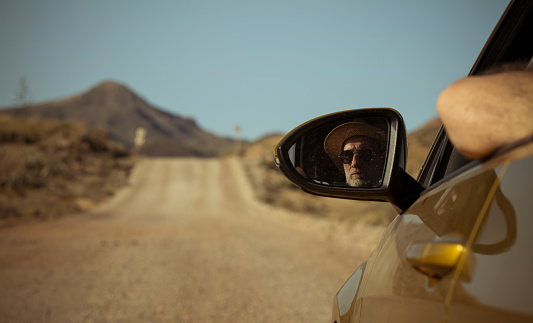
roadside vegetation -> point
(52, 168)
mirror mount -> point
(301, 156)
(405, 184)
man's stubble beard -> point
(355, 182)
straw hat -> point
(336, 138)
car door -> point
(497, 284)
(414, 269)
(462, 252)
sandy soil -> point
(185, 242)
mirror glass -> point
(351, 153)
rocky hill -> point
(119, 111)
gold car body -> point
(461, 253)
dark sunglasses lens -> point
(365, 155)
(346, 156)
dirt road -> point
(185, 242)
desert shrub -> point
(47, 167)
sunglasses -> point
(365, 155)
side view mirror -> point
(356, 154)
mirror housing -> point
(395, 185)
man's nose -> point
(354, 160)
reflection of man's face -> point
(362, 160)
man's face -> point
(363, 162)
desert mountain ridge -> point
(113, 107)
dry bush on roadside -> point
(50, 168)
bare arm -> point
(483, 113)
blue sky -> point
(264, 65)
